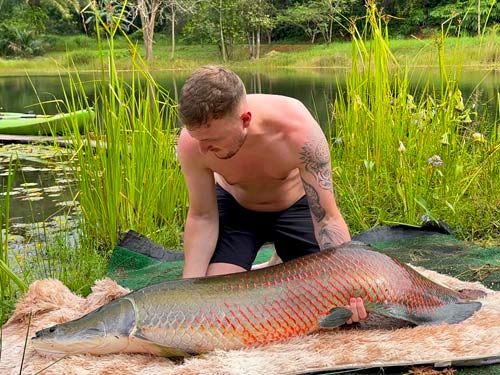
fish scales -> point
(258, 307)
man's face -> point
(223, 137)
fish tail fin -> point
(455, 312)
(451, 313)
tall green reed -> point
(127, 173)
(401, 153)
(10, 282)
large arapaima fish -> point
(191, 316)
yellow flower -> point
(402, 147)
(478, 137)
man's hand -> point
(358, 310)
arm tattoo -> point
(329, 237)
(316, 157)
(314, 203)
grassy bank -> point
(85, 53)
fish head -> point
(68, 338)
(103, 331)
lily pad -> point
(28, 184)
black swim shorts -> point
(242, 232)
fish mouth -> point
(48, 351)
(67, 348)
(48, 348)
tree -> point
(331, 11)
(219, 22)
(122, 13)
(303, 17)
(315, 17)
(174, 7)
(258, 16)
(148, 11)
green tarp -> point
(136, 261)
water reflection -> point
(317, 89)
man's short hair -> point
(210, 93)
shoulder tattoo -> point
(315, 155)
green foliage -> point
(227, 23)
(69, 43)
(403, 156)
(219, 23)
(316, 17)
(20, 32)
(62, 8)
(466, 12)
(15, 42)
(110, 14)
(81, 58)
(305, 17)
(259, 14)
(77, 266)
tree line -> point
(226, 23)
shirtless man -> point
(257, 169)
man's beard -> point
(235, 150)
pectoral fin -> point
(142, 344)
(336, 317)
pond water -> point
(40, 189)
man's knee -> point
(220, 268)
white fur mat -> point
(50, 302)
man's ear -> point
(246, 117)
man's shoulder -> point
(288, 115)
(185, 141)
(187, 147)
(284, 111)
(273, 99)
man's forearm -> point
(200, 238)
